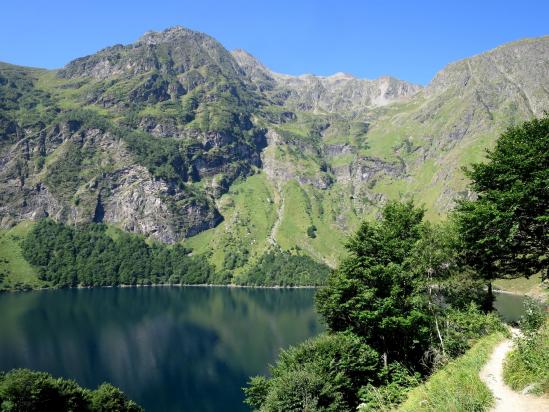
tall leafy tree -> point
(504, 232)
(375, 293)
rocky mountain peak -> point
(338, 92)
(172, 34)
(246, 59)
(341, 76)
(175, 51)
(257, 72)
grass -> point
(528, 364)
(306, 206)
(456, 387)
(342, 160)
(523, 286)
(17, 272)
(250, 212)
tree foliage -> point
(324, 373)
(375, 292)
(30, 391)
(279, 268)
(396, 308)
(88, 256)
(504, 232)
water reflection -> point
(171, 349)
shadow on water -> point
(170, 349)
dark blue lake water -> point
(170, 349)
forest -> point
(89, 255)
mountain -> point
(178, 139)
(143, 136)
(333, 94)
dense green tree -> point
(504, 231)
(398, 306)
(88, 256)
(22, 390)
(108, 398)
(375, 294)
(324, 373)
(282, 268)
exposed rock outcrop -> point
(340, 92)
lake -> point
(509, 306)
(168, 348)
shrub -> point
(323, 373)
(311, 231)
(30, 391)
(528, 364)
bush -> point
(528, 364)
(400, 382)
(533, 318)
(323, 373)
(297, 391)
(30, 391)
(462, 328)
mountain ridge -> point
(176, 138)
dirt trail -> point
(508, 400)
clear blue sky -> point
(411, 40)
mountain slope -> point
(144, 136)
(346, 163)
(175, 138)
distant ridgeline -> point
(88, 255)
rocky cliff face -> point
(108, 186)
(176, 51)
(342, 92)
(461, 112)
(159, 129)
(173, 137)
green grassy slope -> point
(531, 287)
(249, 214)
(15, 271)
(258, 217)
(457, 387)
